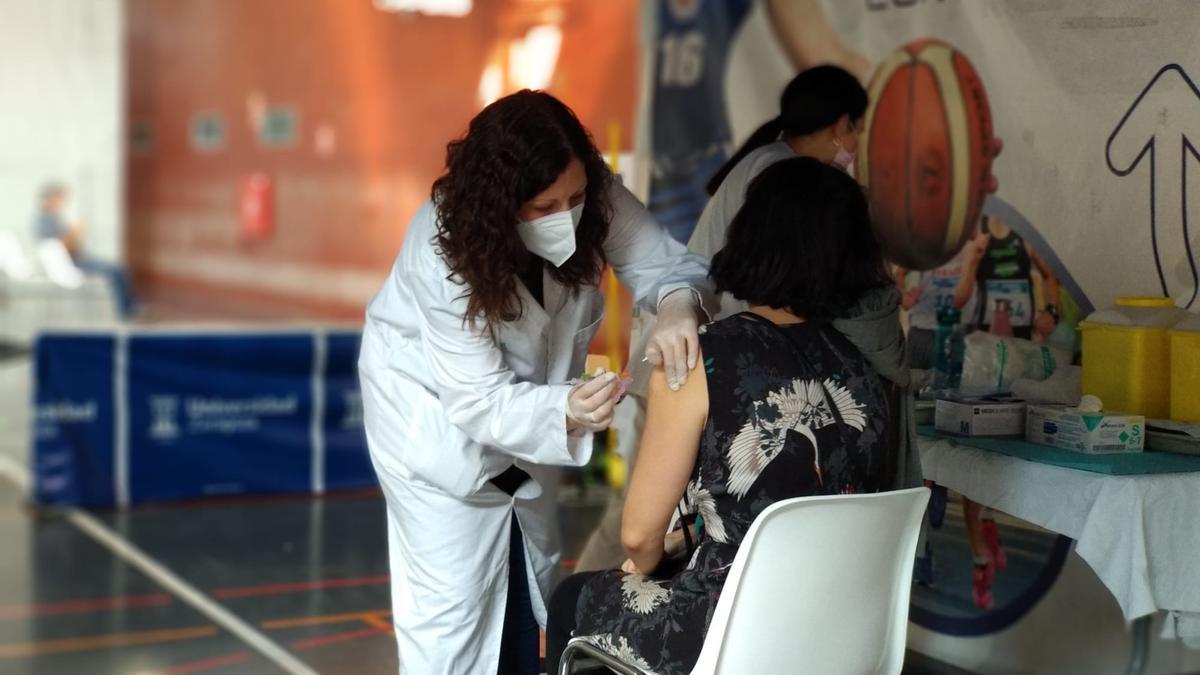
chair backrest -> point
(14, 264)
(56, 262)
(820, 585)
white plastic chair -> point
(819, 585)
(14, 264)
(56, 262)
(41, 289)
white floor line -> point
(131, 554)
(15, 473)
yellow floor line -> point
(276, 624)
(377, 621)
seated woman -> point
(788, 408)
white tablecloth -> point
(1141, 534)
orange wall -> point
(393, 89)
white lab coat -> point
(447, 408)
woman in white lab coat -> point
(467, 362)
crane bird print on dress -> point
(800, 407)
(700, 501)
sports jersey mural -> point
(691, 135)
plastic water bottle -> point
(1002, 319)
(949, 348)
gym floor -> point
(203, 587)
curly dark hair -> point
(513, 150)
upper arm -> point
(667, 455)
(808, 38)
(645, 256)
(965, 289)
(967, 280)
(1040, 263)
(708, 236)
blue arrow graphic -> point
(1149, 121)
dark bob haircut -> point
(513, 150)
(802, 242)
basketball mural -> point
(1098, 105)
(925, 152)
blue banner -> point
(167, 416)
(73, 420)
(346, 461)
(219, 414)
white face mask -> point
(552, 236)
(844, 159)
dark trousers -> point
(117, 279)
(561, 621)
(519, 642)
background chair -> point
(42, 289)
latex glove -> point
(675, 342)
(590, 404)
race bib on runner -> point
(1019, 295)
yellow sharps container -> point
(1185, 370)
(1127, 355)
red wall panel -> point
(390, 90)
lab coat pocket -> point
(408, 432)
(583, 337)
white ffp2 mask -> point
(552, 236)
(844, 159)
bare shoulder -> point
(689, 401)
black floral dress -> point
(770, 435)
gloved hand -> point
(590, 404)
(675, 342)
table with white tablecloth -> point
(1140, 533)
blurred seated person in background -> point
(788, 407)
(51, 224)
